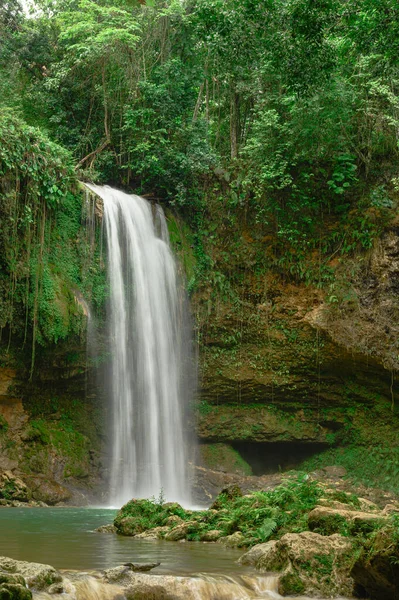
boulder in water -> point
(309, 563)
(152, 534)
(180, 531)
(143, 591)
(110, 528)
(37, 576)
(253, 556)
(234, 540)
(141, 567)
(13, 587)
(211, 536)
(14, 591)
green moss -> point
(3, 424)
(373, 466)
(223, 456)
(182, 242)
(48, 260)
(291, 585)
(45, 436)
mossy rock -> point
(327, 520)
(129, 526)
(14, 578)
(223, 457)
(309, 563)
(377, 568)
(14, 591)
(227, 494)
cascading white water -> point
(150, 353)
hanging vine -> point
(42, 243)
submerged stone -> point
(110, 528)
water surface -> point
(65, 538)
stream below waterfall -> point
(66, 539)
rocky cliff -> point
(286, 366)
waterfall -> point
(150, 353)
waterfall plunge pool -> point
(66, 539)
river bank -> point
(304, 535)
(323, 541)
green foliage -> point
(8, 490)
(293, 131)
(374, 466)
(259, 516)
(292, 584)
(46, 259)
(3, 424)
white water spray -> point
(150, 353)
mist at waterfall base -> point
(152, 374)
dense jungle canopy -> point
(293, 103)
(283, 114)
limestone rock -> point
(146, 592)
(329, 520)
(174, 520)
(12, 488)
(56, 588)
(310, 564)
(377, 568)
(141, 567)
(172, 506)
(14, 591)
(253, 556)
(15, 578)
(128, 526)
(121, 575)
(390, 509)
(229, 492)
(37, 576)
(47, 490)
(232, 541)
(180, 531)
(368, 506)
(211, 536)
(152, 534)
(110, 528)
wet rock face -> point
(51, 427)
(291, 360)
(47, 490)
